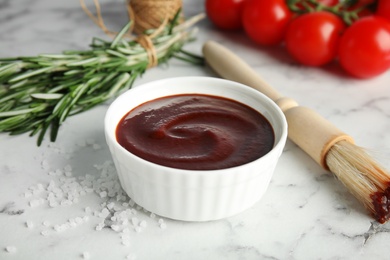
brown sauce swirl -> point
(195, 132)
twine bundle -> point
(150, 14)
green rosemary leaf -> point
(120, 35)
(29, 74)
(119, 84)
(47, 95)
(88, 62)
(54, 127)
(117, 54)
(16, 112)
(42, 133)
(11, 122)
(174, 22)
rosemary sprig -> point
(40, 93)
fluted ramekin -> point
(194, 195)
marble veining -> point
(305, 214)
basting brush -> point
(331, 148)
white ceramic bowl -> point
(193, 195)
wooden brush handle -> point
(310, 131)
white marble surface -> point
(305, 214)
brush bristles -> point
(362, 176)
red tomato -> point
(225, 14)
(312, 38)
(383, 9)
(265, 21)
(365, 47)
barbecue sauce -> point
(195, 132)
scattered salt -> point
(117, 211)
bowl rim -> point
(111, 137)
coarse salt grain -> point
(115, 228)
(99, 226)
(45, 233)
(104, 213)
(126, 242)
(138, 229)
(134, 221)
(143, 224)
(110, 205)
(86, 255)
(10, 249)
(131, 203)
(35, 203)
(103, 194)
(29, 224)
(45, 165)
(79, 220)
(163, 225)
(60, 228)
